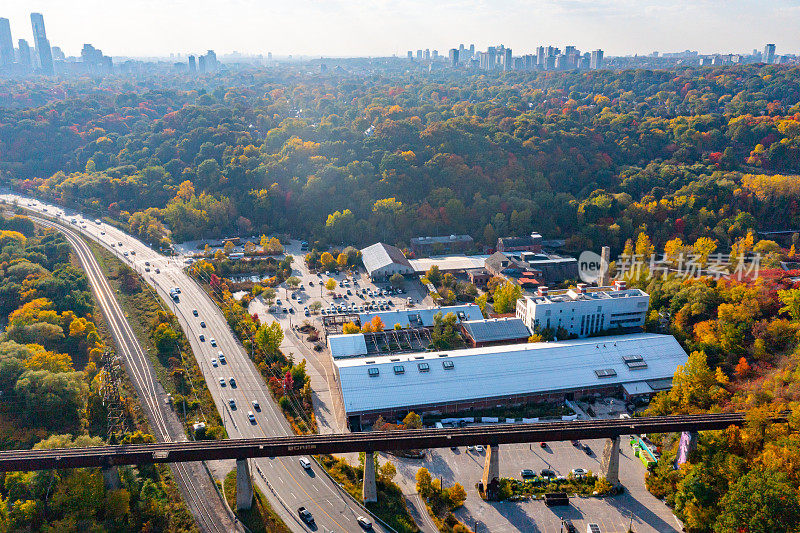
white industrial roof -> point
(500, 371)
(420, 316)
(449, 262)
(347, 345)
(380, 255)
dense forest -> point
(681, 162)
(346, 158)
(50, 397)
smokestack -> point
(605, 261)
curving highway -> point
(283, 480)
(196, 486)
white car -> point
(214, 363)
(364, 522)
(221, 382)
(251, 417)
(305, 463)
(213, 341)
(479, 448)
(578, 472)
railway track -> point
(140, 372)
(374, 441)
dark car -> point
(576, 443)
(527, 473)
(570, 527)
(547, 473)
(588, 450)
(305, 515)
(543, 444)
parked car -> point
(547, 473)
(578, 472)
(527, 473)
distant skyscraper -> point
(540, 56)
(597, 60)
(192, 64)
(41, 43)
(427, 54)
(769, 54)
(491, 57)
(435, 55)
(508, 62)
(410, 55)
(211, 61)
(58, 54)
(6, 44)
(24, 54)
(471, 51)
(453, 57)
(201, 64)
(419, 55)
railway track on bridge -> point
(369, 442)
(142, 375)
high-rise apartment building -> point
(453, 57)
(596, 61)
(192, 64)
(41, 43)
(6, 44)
(410, 55)
(24, 52)
(769, 54)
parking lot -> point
(354, 293)
(612, 514)
(636, 507)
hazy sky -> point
(386, 27)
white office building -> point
(585, 311)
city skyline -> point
(379, 28)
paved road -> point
(194, 483)
(286, 484)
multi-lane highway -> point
(283, 480)
(195, 485)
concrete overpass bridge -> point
(108, 457)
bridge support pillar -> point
(244, 485)
(370, 487)
(610, 463)
(111, 479)
(686, 446)
(491, 472)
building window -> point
(373, 372)
(399, 369)
(423, 367)
(448, 365)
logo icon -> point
(591, 267)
